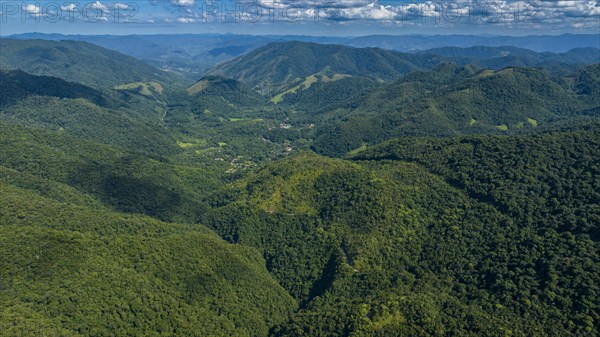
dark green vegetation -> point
(454, 100)
(481, 236)
(279, 65)
(18, 85)
(72, 270)
(78, 110)
(77, 61)
(285, 64)
(463, 202)
(337, 98)
(192, 54)
(222, 96)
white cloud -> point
(521, 13)
(99, 5)
(370, 12)
(118, 5)
(315, 3)
(32, 9)
(183, 3)
(68, 8)
(498, 11)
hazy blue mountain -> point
(506, 56)
(188, 54)
(191, 54)
(539, 43)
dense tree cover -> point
(17, 85)
(108, 117)
(222, 97)
(84, 119)
(127, 181)
(452, 100)
(73, 270)
(111, 211)
(78, 61)
(378, 247)
(280, 65)
(201, 129)
(548, 180)
(409, 250)
(192, 54)
(334, 117)
(326, 95)
(222, 119)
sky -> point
(302, 17)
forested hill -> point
(474, 236)
(544, 180)
(499, 57)
(224, 97)
(17, 85)
(81, 111)
(453, 100)
(77, 61)
(75, 264)
(321, 191)
(280, 64)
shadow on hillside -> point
(118, 187)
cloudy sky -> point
(308, 17)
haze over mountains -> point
(278, 64)
(194, 53)
(296, 188)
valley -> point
(298, 188)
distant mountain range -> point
(191, 54)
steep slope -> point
(430, 237)
(324, 94)
(224, 97)
(124, 180)
(17, 85)
(77, 61)
(72, 267)
(533, 178)
(586, 82)
(282, 65)
(81, 111)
